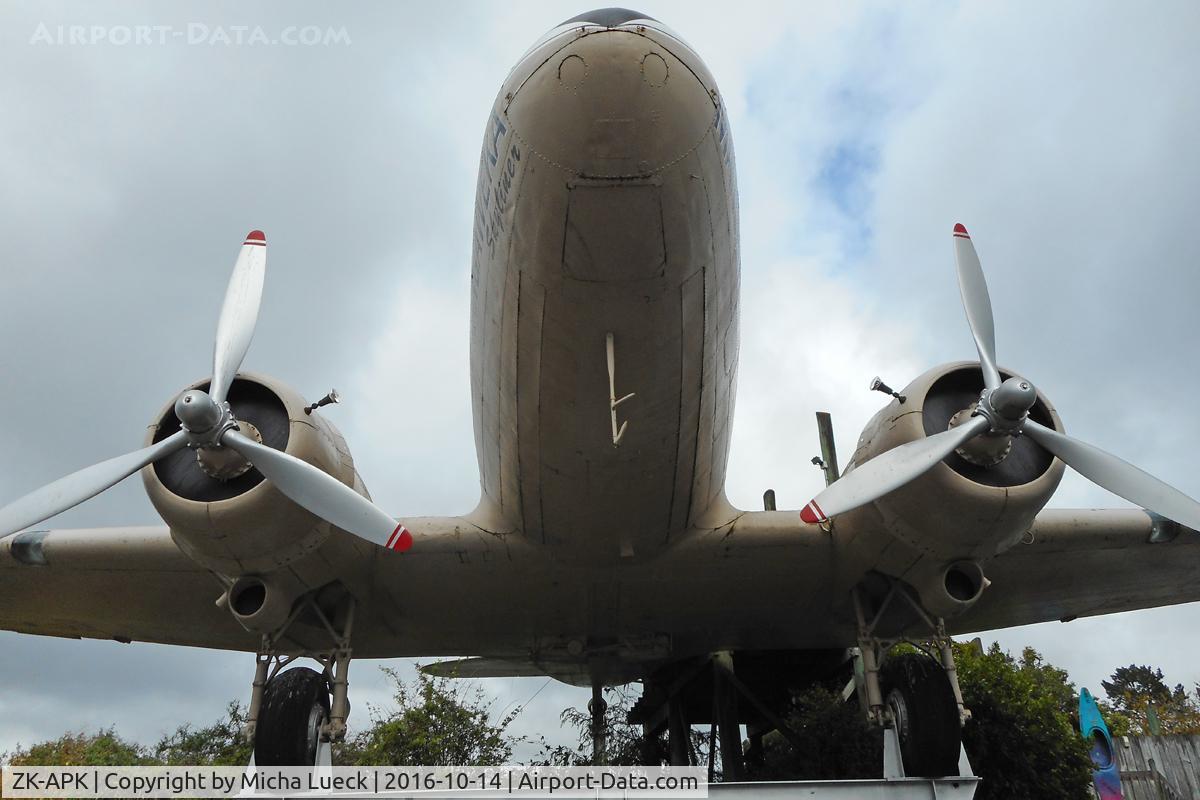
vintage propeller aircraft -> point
(604, 354)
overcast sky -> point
(1063, 135)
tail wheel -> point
(918, 695)
(295, 705)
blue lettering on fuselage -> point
(724, 141)
(494, 189)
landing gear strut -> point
(914, 696)
(291, 713)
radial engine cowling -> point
(949, 522)
(242, 525)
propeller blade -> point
(889, 471)
(68, 492)
(977, 303)
(1119, 477)
(322, 494)
(239, 313)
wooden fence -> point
(1159, 767)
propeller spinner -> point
(1002, 410)
(208, 423)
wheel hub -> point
(316, 718)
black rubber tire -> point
(917, 692)
(294, 706)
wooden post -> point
(828, 450)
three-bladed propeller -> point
(208, 422)
(1003, 409)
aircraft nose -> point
(608, 102)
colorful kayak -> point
(1106, 776)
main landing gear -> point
(294, 709)
(914, 696)
(297, 714)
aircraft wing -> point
(135, 584)
(112, 583)
(483, 667)
(1079, 563)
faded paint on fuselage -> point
(606, 204)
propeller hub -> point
(982, 451)
(225, 463)
(1013, 398)
(198, 412)
(1007, 406)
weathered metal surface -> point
(763, 581)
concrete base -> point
(894, 785)
(958, 788)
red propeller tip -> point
(256, 236)
(961, 230)
(812, 514)
(400, 540)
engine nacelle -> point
(950, 521)
(243, 525)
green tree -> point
(220, 744)
(1022, 737)
(625, 743)
(104, 748)
(1133, 688)
(836, 742)
(436, 722)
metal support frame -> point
(678, 740)
(727, 689)
(335, 665)
(598, 707)
(725, 708)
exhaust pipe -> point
(260, 604)
(952, 589)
